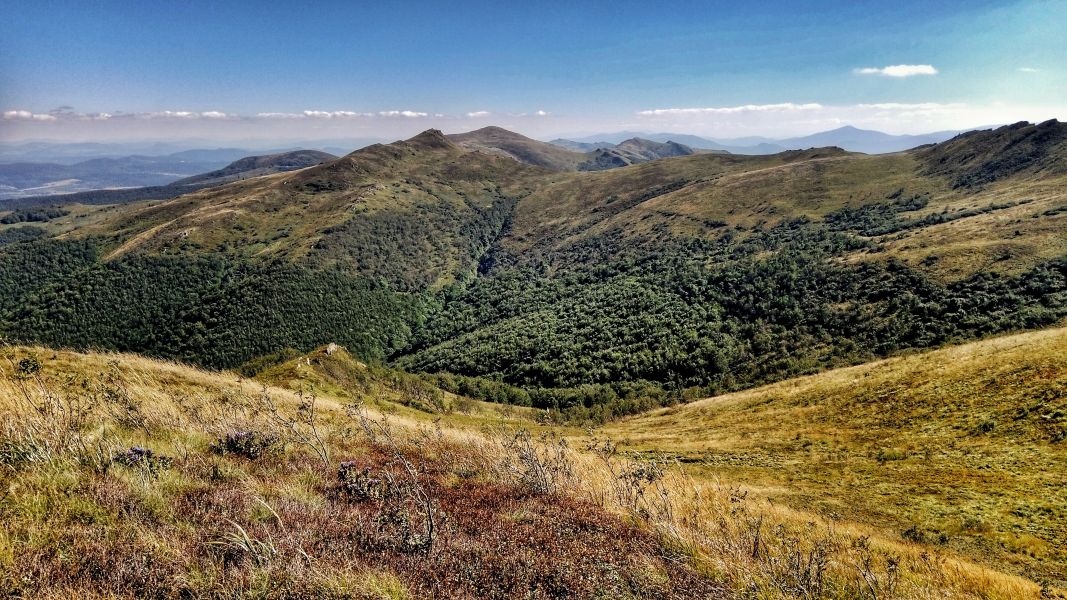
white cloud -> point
(410, 114)
(348, 114)
(478, 114)
(888, 116)
(169, 114)
(176, 114)
(541, 113)
(1028, 70)
(278, 115)
(334, 114)
(727, 110)
(914, 106)
(898, 70)
(25, 115)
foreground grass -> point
(962, 448)
(350, 495)
(313, 504)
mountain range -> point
(495, 140)
(83, 167)
(847, 137)
(35, 179)
(834, 328)
(526, 255)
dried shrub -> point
(305, 429)
(357, 482)
(249, 444)
(542, 465)
(408, 512)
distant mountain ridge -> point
(848, 138)
(634, 151)
(32, 179)
(499, 141)
(581, 146)
(243, 168)
(69, 153)
(255, 166)
(709, 269)
(568, 156)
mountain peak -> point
(491, 133)
(495, 130)
(977, 158)
(502, 142)
(431, 138)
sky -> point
(88, 70)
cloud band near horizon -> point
(771, 119)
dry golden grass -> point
(333, 372)
(80, 522)
(962, 447)
(1011, 240)
(789, 528)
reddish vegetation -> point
(492, 540)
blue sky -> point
(117, 70)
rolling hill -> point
(594, 293)
(633, 151)
(552, 156)
(620, 300)
(256, 166)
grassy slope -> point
(85, 530)
(426, 192)
(286, 216)
(968, 442)
(333, 372)
(78, 524)
(697, 195)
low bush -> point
(356, 481)
(249, 444)
(142, 458)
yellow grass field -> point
(963, 448)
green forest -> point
(597, 329)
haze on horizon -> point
(123, 71)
